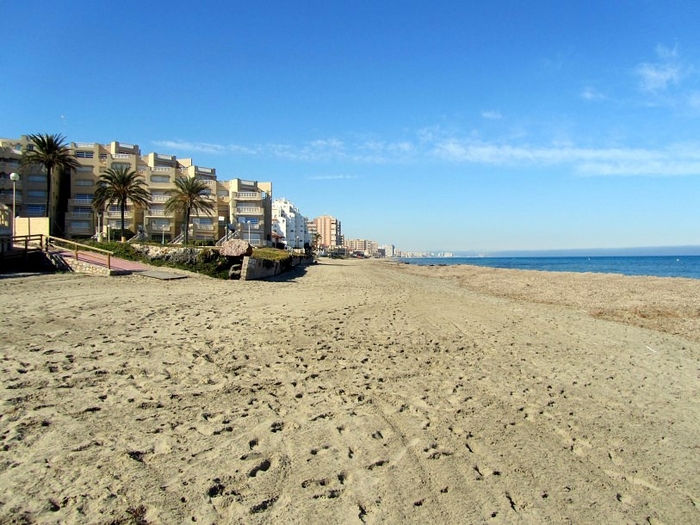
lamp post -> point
(14, 177)
(163, 227)
(248, 222)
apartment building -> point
(290, 224)
(250, 210)
(246, 203)
(30, 191)
(329, 229)
(368, 248)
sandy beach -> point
(358, 392)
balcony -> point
(160, 198)
(111, 214)
(80, 228)
(249, 210)
(121, 156)
(158, 213)
(80, 202)
(248, 196)
(244, 226)
(205, 227)
(78, 215)
(6, 198)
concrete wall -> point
(253, 269)
(32, 226)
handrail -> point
(85, 247)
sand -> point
(359, 392)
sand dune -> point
(360, 392)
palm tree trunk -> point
(187, 226)
(121, 208)
(50, 201)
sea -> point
(687, 266)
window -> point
(205, 222)
(84, 154)
(160, 178)
(36, 178)
(83, 196)
(82, 209)
(83, 182)
(80, 225)
(36, 210)
(36, 194)
(120, 165)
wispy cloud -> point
(660, 75)
(491, 115)
(591, 94)
(331, 177)
(436, 144)
(672, 161)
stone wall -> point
(253, 269)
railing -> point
(249, 195)
(46, 242)
(118, 214)
(30, 242)
(80, 202)
(162, 168)
(160, 198)
(249, 211)
(158, 213)
(78, 215)
(76, 247)
(121, 156)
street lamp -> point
(248, 222)
(163, 227)
(15, 178)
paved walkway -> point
(98, 259)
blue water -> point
(660, 266)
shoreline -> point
(360, 392)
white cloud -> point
(659, 76)
(331, 177)
(492, 115)
(591, 94)
(672, 161)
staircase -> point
(178, 240)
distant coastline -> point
(640, 251)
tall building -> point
(250, 210)
(290, 224)
(330, 231)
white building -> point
(289, 224)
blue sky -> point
(443, 125)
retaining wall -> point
(254, 269)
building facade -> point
(290, 224)
(250, 210)
(329, 230)
(242, 204)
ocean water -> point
(687, 266)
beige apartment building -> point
(244, 204)
(329, 229)
(250, 210)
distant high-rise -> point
(329, 230)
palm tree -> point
(116, 186)
(190, 195)
(54, 155)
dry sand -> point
(360, 392)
